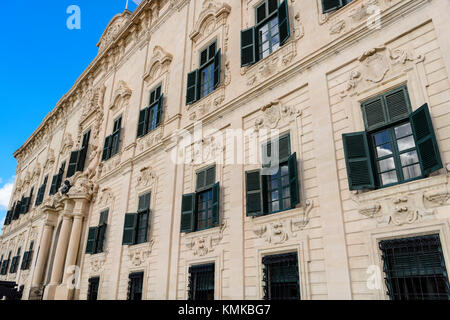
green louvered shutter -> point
(284, 146)
(217, 66)
(201, 180)
(159, 111)
(73, 163)
(107, 148)
(192, 84)
(82, 159)
(283, 22)
(142, 124)
(24, 265)
(248, 52)
(397, 103)
(374, 113)
(216, 204)
(115, 142)
(428, 150)
(253, 193)
(92, 237)
(331, 5)
(100, 238)
(129, 229)
(293, 180)
(53, 186)
(358, 161)
(187, 212)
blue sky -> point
(40, 59)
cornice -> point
(87, 74)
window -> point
(57, 179)
(27, 257)
(5, 265)
(201, 282)
(150, 117)
(206, 79)
(112, 142)
(137, 224)
(333, 5)
(41, 192)
(96, 235)
(15, 262)
(415, 269)
(93, 289)
(78, 158)
(281, 278)
(26, 203)
(279, 191)
(398, 145)
(270, 32)
(200, 210)
(135, 283)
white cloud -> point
(5, 193)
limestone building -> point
(153, 176)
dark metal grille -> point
(201, 282)
(135, 283)
(415, 269)
(281, 278)
(93, 289)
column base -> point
(35, 293)
(49, 292)
(63, 293)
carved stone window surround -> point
(407, 203)
(283, 226)
(139, 254)
(373, 237)
(96, 263)
(202, 243)
(207, 104)
(218, 260)
(301, 247)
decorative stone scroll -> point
(139, 254)
(283, 229)
(206, 243)
(212, 16)
(159, 64)
(375, 64)
(113, 29)
(276, 114)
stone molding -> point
(278, 229)
(204, 242)
(139, 254)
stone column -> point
(44, 248)
(66, 290)
(74, 244)
(61, 250)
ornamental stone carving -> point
(50, 160)
(270, 65)
(213, 15)
(146, 177)
(207, 105)
(206, 243)
(139, 254)
(276, 114)
(121, 95)
(150, 140)
(375, 64)
(106, 197)
(158, 65)
(67, 144)
(97, 262)
(280, 230)
(113, 29)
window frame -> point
(344, 3)
(258, 25)
(411, 251)
(91, 281)
(209, 63)
(196, 270)
(151, 111)
(132, 285)
(395, 155)
(277, 259)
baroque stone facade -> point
(312, 87)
